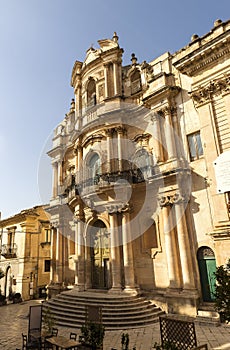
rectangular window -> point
(195, 146)
(47, 235)
(47, 265)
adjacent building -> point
(25, 253)
(140, 203)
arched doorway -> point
(207, 269)
(100, 256)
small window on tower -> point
(91, 93)
(47, 266)
(135, 82)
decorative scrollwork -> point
(203, 94)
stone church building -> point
(141, 180)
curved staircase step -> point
(118, 311)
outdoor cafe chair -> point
(28, 345)
(54, 332)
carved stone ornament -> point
(120, 207)
(172, 199)
(167, 110)
(203, 94)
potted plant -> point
(125, 341)
(222, 293)
(48, 321)
(92, 335)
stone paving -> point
(14, 321)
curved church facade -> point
(137, 205)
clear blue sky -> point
(40, 41)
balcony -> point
(133, 176)
(9, 250)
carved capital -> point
(165, 201)
(171, 199)
(115, 208)
(55, 224)
(167, 110)
(120, 130)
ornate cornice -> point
(204, 54)
(92, 139)
(203, 94)
(141, 137)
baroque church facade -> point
(139, 204)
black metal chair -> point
(73, 336)
(29, 345)
(54, 332)
(179, 333)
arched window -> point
(135, 82)
(94, 165)
(142, 159)
(142, 165)
(91, 93)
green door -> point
(207, 269)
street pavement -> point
(14, 322)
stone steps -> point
(118, 311)
(206, 314)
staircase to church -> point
(118, 311)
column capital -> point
(120, 130)
(171, 199)
(106, 64)
(109, 132)
(55, 224)
(115, 208)
(165, 201)
(167, 110)
(179, 198)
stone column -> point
(171, 250)
(169, 132)
(53, 254)
(57, 257)
(158, 150)
(184, 245)
(79, 163)
(115, 253)
(120, 131)
(60, 173)
(130, 285)
(80, 252)
(108, 141)
(106, 74)
(55, 180)
(115, 77)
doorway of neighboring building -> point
(8, 282)
(207, 269)
(100, 253)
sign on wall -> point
(222, 171)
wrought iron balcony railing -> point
(9, 250)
